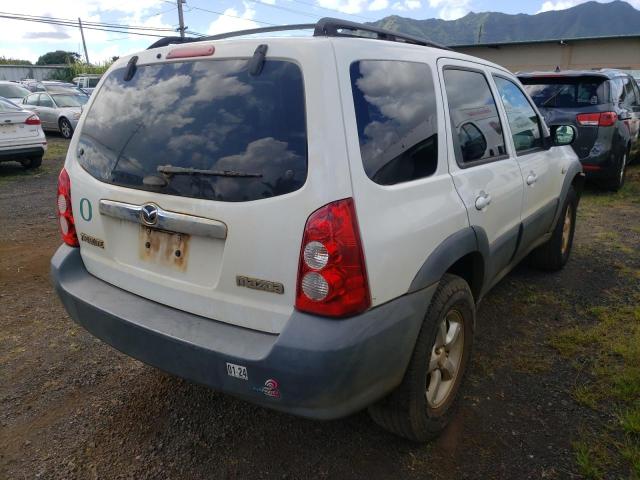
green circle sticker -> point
(86, 212)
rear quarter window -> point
(221, 133)
(396, 117)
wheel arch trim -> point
(470, 240)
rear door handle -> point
(532, 178)
(483, 201)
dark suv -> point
(604, 105)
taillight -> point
(608, 118)
(602, 119)
(65, 214)
(32, 120)
(332, 278)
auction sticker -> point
(237, 371)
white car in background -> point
(21, 136)
(87, 82)
(13, 91)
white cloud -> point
(550, 5)
(345, 6)
(558, 5)
(451, 9)
(233, 20)
(378, 5)
(407, 5)
(29, 40)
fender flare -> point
(453, 248)
(573, 170)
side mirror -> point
(563, 135)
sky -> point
(29, 40)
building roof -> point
(558, 40)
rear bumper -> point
(21, 152)
(324, 368)
(601, 163)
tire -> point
(554, 254)
(33, 162)
(617, 182)
(65, 128)
(407, 411)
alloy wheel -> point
(446, 357)
(65, 129)
(566, 229)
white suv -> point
(309, 223)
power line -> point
(123, 29)
(19, 16)
(159, 13)
(334, 10)
(286, 9)
(233, 16)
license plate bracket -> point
(8, 128)
(165, 248)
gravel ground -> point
(73, 407)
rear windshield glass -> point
(7, 106)
(203, 129)
(565, 92)
(13, 91)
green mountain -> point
(589, 19)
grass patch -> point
(590, 460)
(630, 420)
(56, 151)
(610, 352)
(630, 193)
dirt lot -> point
(552, 393)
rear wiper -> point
(171, 170)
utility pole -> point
(181, 29)
(84, 44)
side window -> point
(474, 116)
(637, 90)
(629, 92)
(395, 104)
(617, 90)
(32, 99)
(523, 120)
(45, 101)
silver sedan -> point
(59, 111)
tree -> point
(13, 61)
(59, 57)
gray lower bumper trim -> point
(324, 368)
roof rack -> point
(326, 27)
(334, 27)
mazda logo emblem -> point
(149, 214)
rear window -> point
(395, 107)
(13, 91)
(7, 106)
(563, 92)
(203, 129)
